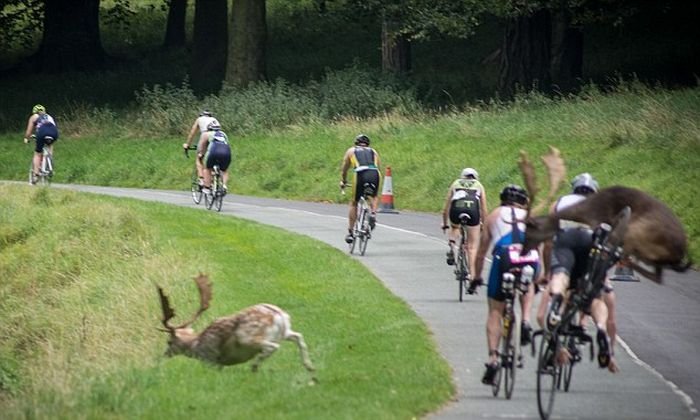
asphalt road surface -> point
(657, 324)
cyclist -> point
(499, 232)
(364, 161)
(569, 259)
(201, 123)
(46, 132)
(465, 195)
(213, 149)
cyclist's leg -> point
(493, 338)
(208, 164)
(224, 163)
(473, 238)
(201, 151)
(526, 307)
(609, 298)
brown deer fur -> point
(254, 332)
(654, 235)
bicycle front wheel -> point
(195, 188)
(511, 353)
(547, 374)
(568, 369)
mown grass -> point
(79, 311)
(636, 136)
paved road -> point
(660, 375)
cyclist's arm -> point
(30, 126)
(482, 203)
(446, 208)
(345, 166)
(193, 131)
(484, 244)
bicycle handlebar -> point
(187, 151)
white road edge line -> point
(687, 400)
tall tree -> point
(396, 47)
(525, 54)
(175, 28)
(71, 39)
(567, 51)
(210, 44)
(248, 39)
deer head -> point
(181, 336)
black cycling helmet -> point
(205, 113)
(513, 194)
(361, 139)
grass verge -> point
(79, 310)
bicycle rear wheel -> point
(461, 273)
(364, 230)
(219, 197)
(547, 374)
(511, 354)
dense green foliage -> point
(79, 313)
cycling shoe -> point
(450, 257)
(490, 374)
(349, 238)
(525, 334)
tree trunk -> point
(246, 58)
(209, 44)
(175, 29)
(396, 48)
(567, 52)
(525, 58)
(71, 38)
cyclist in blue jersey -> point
(364, 162)
(46, 132)
(214, 149)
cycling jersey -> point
(44, 119)
(501, 236)
(204, 121)
(567, 201)
(46, 132)
(364, 158)
(572, 243)
(218, 151)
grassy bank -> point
(637, 136)
(79, 313)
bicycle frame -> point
(45, 168)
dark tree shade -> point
(396, 48)
(175, 30)
(210, 42)
(246, 60)
(525, 56)
(71, 39)
(567, 52)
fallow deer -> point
(255, 331)
(654, 235)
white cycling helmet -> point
(470, 172)
(584, 183)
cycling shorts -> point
(218, 153)
(370, 176)
(46, 130)
(570, 253)
(468, 206)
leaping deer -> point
(654, 235)
(253, 331)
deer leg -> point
(299, 339)
(268, 347)
(655, 276)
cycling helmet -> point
(205, 113)
(584, 184)
(470, 172)
(38, 108)
(361, 139)
(513, 194)
(214, 126)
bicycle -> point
(362, 231)
(605, 252)
(46, 169)
(195, 186)
(461, 261)
(515, 282)
(215, 196)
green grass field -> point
(79, 312)
(637, 136)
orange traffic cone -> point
(386, 204)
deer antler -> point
(556, 171)
(205, 293)
(168, 312)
